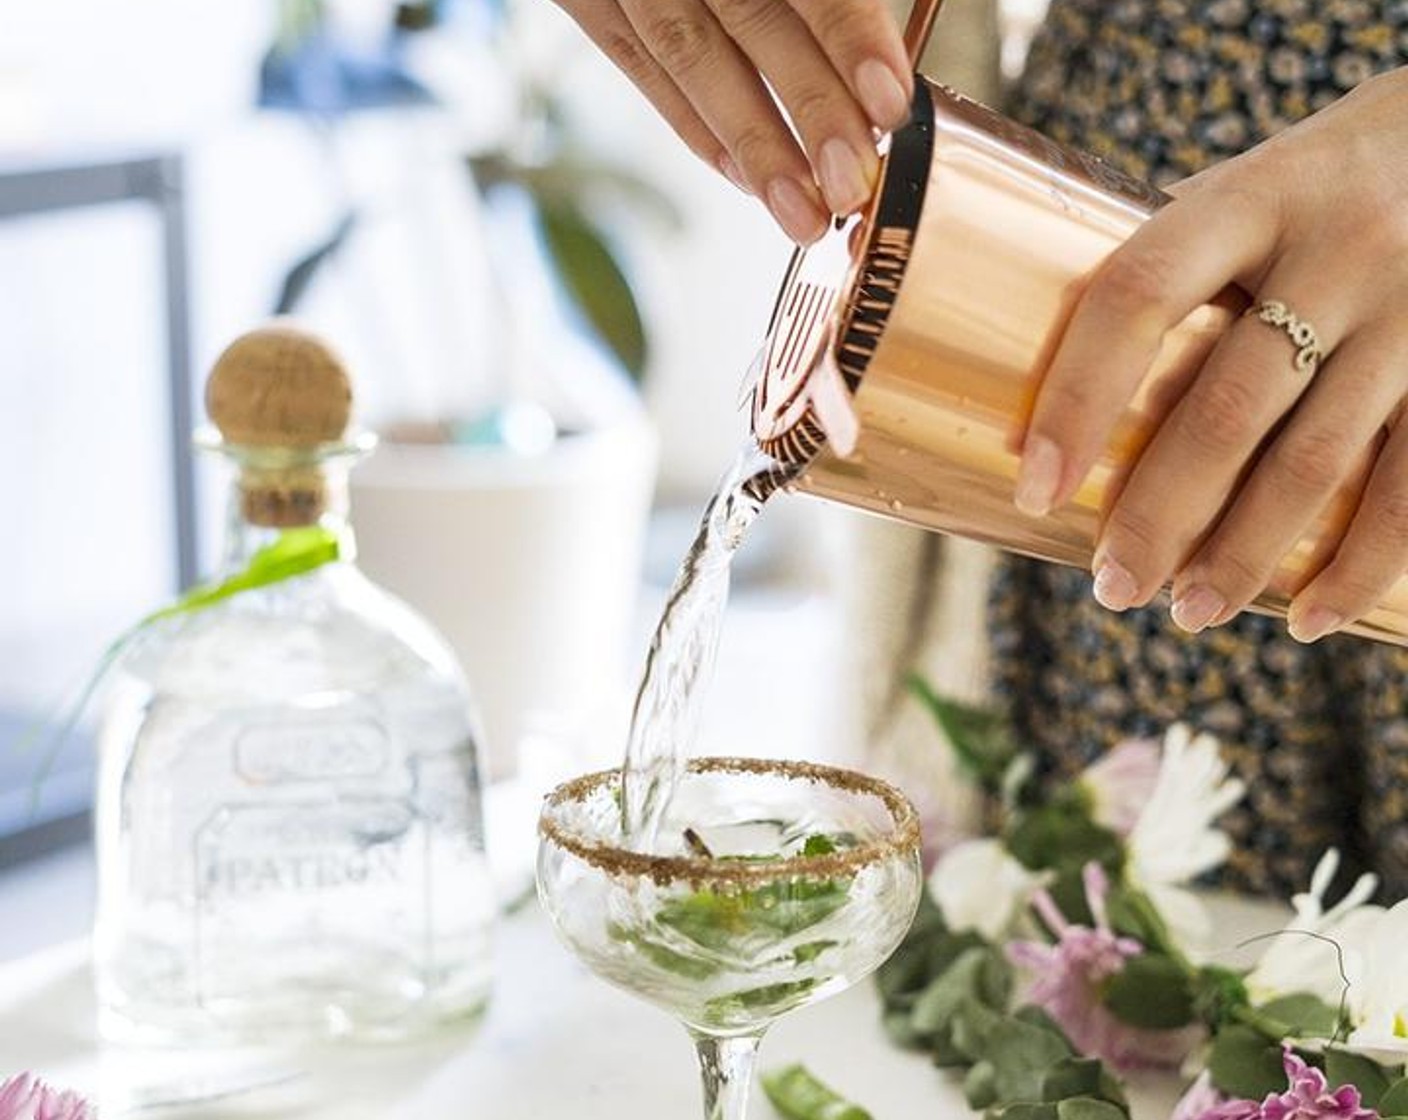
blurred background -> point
(547, 303)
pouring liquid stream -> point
(680, 663)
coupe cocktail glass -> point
(775, 884)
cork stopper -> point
(278, 394)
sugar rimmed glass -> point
(776, 884)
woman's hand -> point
(838, 68)
(1317, 219)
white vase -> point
(530, 566)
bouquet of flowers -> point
(1067, 949)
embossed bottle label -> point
(311, 750)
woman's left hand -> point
(1316, 219)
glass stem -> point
(726, 1066)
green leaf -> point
(1304, 1015)
(1059, 838)
(1132, 913)
(1088, 1108)
(1394, 1101)
(1020, 1052)
(981, 740)
(979, 974)
(1244, 1063)
(1073, 1077)
(980, 1086)
(1221, 995)
(797, 1095)
(302, 272)
(1152, 991)
(572, 177)
(1025, 1110)
(899, 1026)
(594, 281)
(1371, 1079)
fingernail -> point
(1197, 607)
(732, 173)
(1039, 476)
(1115, 588)
(882, 94)
(795, 211)
(1314, 624)
(843, 178)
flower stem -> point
(726, 1067)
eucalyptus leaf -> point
(1371, 1079)
(1304, 1015)
(1059, 838)
(980, 1086)
(1020, 1052)
(594, 281)
(1153, 992)
(1245, 1063)
(981, 740)
(1394, 1101)
(1025, 1110)
(1073, 1077)
(1088, 1108)
(979, 974)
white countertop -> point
(555, 1042)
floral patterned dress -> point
(1163, 89)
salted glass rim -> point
(901, 839)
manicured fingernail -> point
(1039, 476)
(1197, 607)
(1314, 624)
(733, 174)
(795, 211)
(843, 178)
(882, 94)
(1115, 588)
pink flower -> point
(1120, 784)
(1070, 976)
(26, 1097)
(1202, 1101)
(1308, 1097)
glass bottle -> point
(289, 825)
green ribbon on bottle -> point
(294, 552)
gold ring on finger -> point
(1309, 351)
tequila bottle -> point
(289, 830)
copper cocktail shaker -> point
(904, 351)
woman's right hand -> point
(838, 68)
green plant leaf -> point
(1060, 838)
(980, 1086)
(1394, 1101)
(1080, 1077)
(1152, 991)
(1020, 1052)
(594, 281)
(1025, 1110)
(571, 177)
(302, 272)
(1244, 1063)
(1304, 1015)
(1088, 1108)
(1371, 1079)
(1221, 996)
(797, 1095)
(981, 740)
(979, 974)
